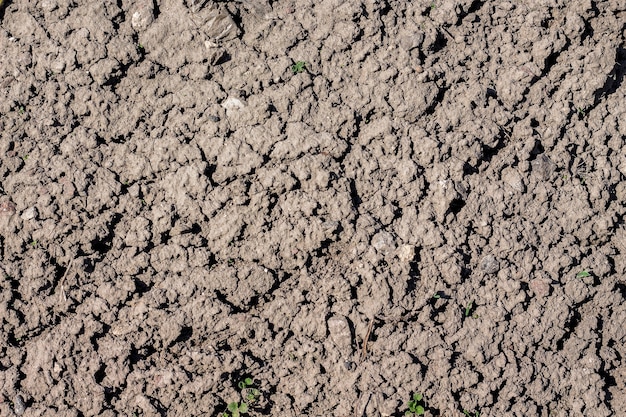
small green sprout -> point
(245, 383)
(583, 274)
(34, 243)
(249, 393)
(298, 67)
(437, 296)
(415, 406)
(468, 308)
(469, 414)
(236, 409)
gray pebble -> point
(30, 213)
(543, 167)
(18, 405)
(490, 264)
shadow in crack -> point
(615, 78)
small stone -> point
(143, 15)
(410, 40)
(489, 264)
(383, 242)
(30, 213)
(406, 253)
(7, 208)
(219, 25)
(340, 333)
(19, 407)
(514, 180)
(543, 167)
(49, 5)
(232, 103)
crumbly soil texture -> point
(348, 202)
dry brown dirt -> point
(434, 204)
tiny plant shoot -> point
(583, 274)
(415, 406)
(249, 395)
(298, 67)
(236, 409)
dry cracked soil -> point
(348, 202)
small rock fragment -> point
(143, 15)
(339, 330)
(19, 407)
(514, 180)
(411, 39)
(489, 264)
(383, 242)
(220, 26)
(30, 213)
(543, 167)
(49, 5)
(232, 103)
(406, 253)
(7, 208)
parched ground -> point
(431, 202)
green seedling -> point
(34, 243)
(415, 406)
(236, 409)
(437, 296)
(583, 274)
(248, 392)
(298, 67)
(468, 308)
(469, 414)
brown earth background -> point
(434, 204)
